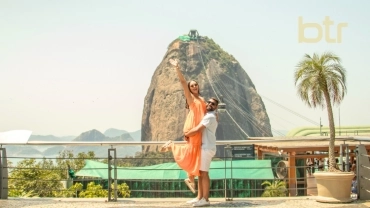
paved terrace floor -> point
(281, 202)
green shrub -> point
(276, 188)
(93, 191)
(122, 189)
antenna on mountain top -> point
(193, 34)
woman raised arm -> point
(191, 89)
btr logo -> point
(320, 30)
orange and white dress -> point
(188, 156)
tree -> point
(66, 158)
(122, 189)
(93, 190)
(275, 189)
(321, 81)
(43, 178)
(31, 178)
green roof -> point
(184, 38)
(241, 169)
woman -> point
(188, 156)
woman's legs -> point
(191, 178)
(190, 182)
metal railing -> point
(227, 187)
(362, 185)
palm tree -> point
(274, 189)
(321, 81)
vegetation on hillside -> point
(209, 50)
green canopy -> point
(238, 169)
(184, 38)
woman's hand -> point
(186, 138)
(174, 62)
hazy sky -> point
(71, 66)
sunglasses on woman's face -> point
(212, 103)
(193, 85)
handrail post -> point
(344, 151)
(3, 174)
(228, 157)
(362, 173)
(110, 158)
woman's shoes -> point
(166, 147)
(190, 185)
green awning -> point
(184, 38)
(238, 169)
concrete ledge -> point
(273, 202)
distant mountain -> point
(94, 135)
(136, 135)
(102, 151)
(91, 136)
(52, 151)
(47, 150)
(21, 150)
(50, 138)
(114, 132)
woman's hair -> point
(186, 102)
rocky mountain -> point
(219, 75)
